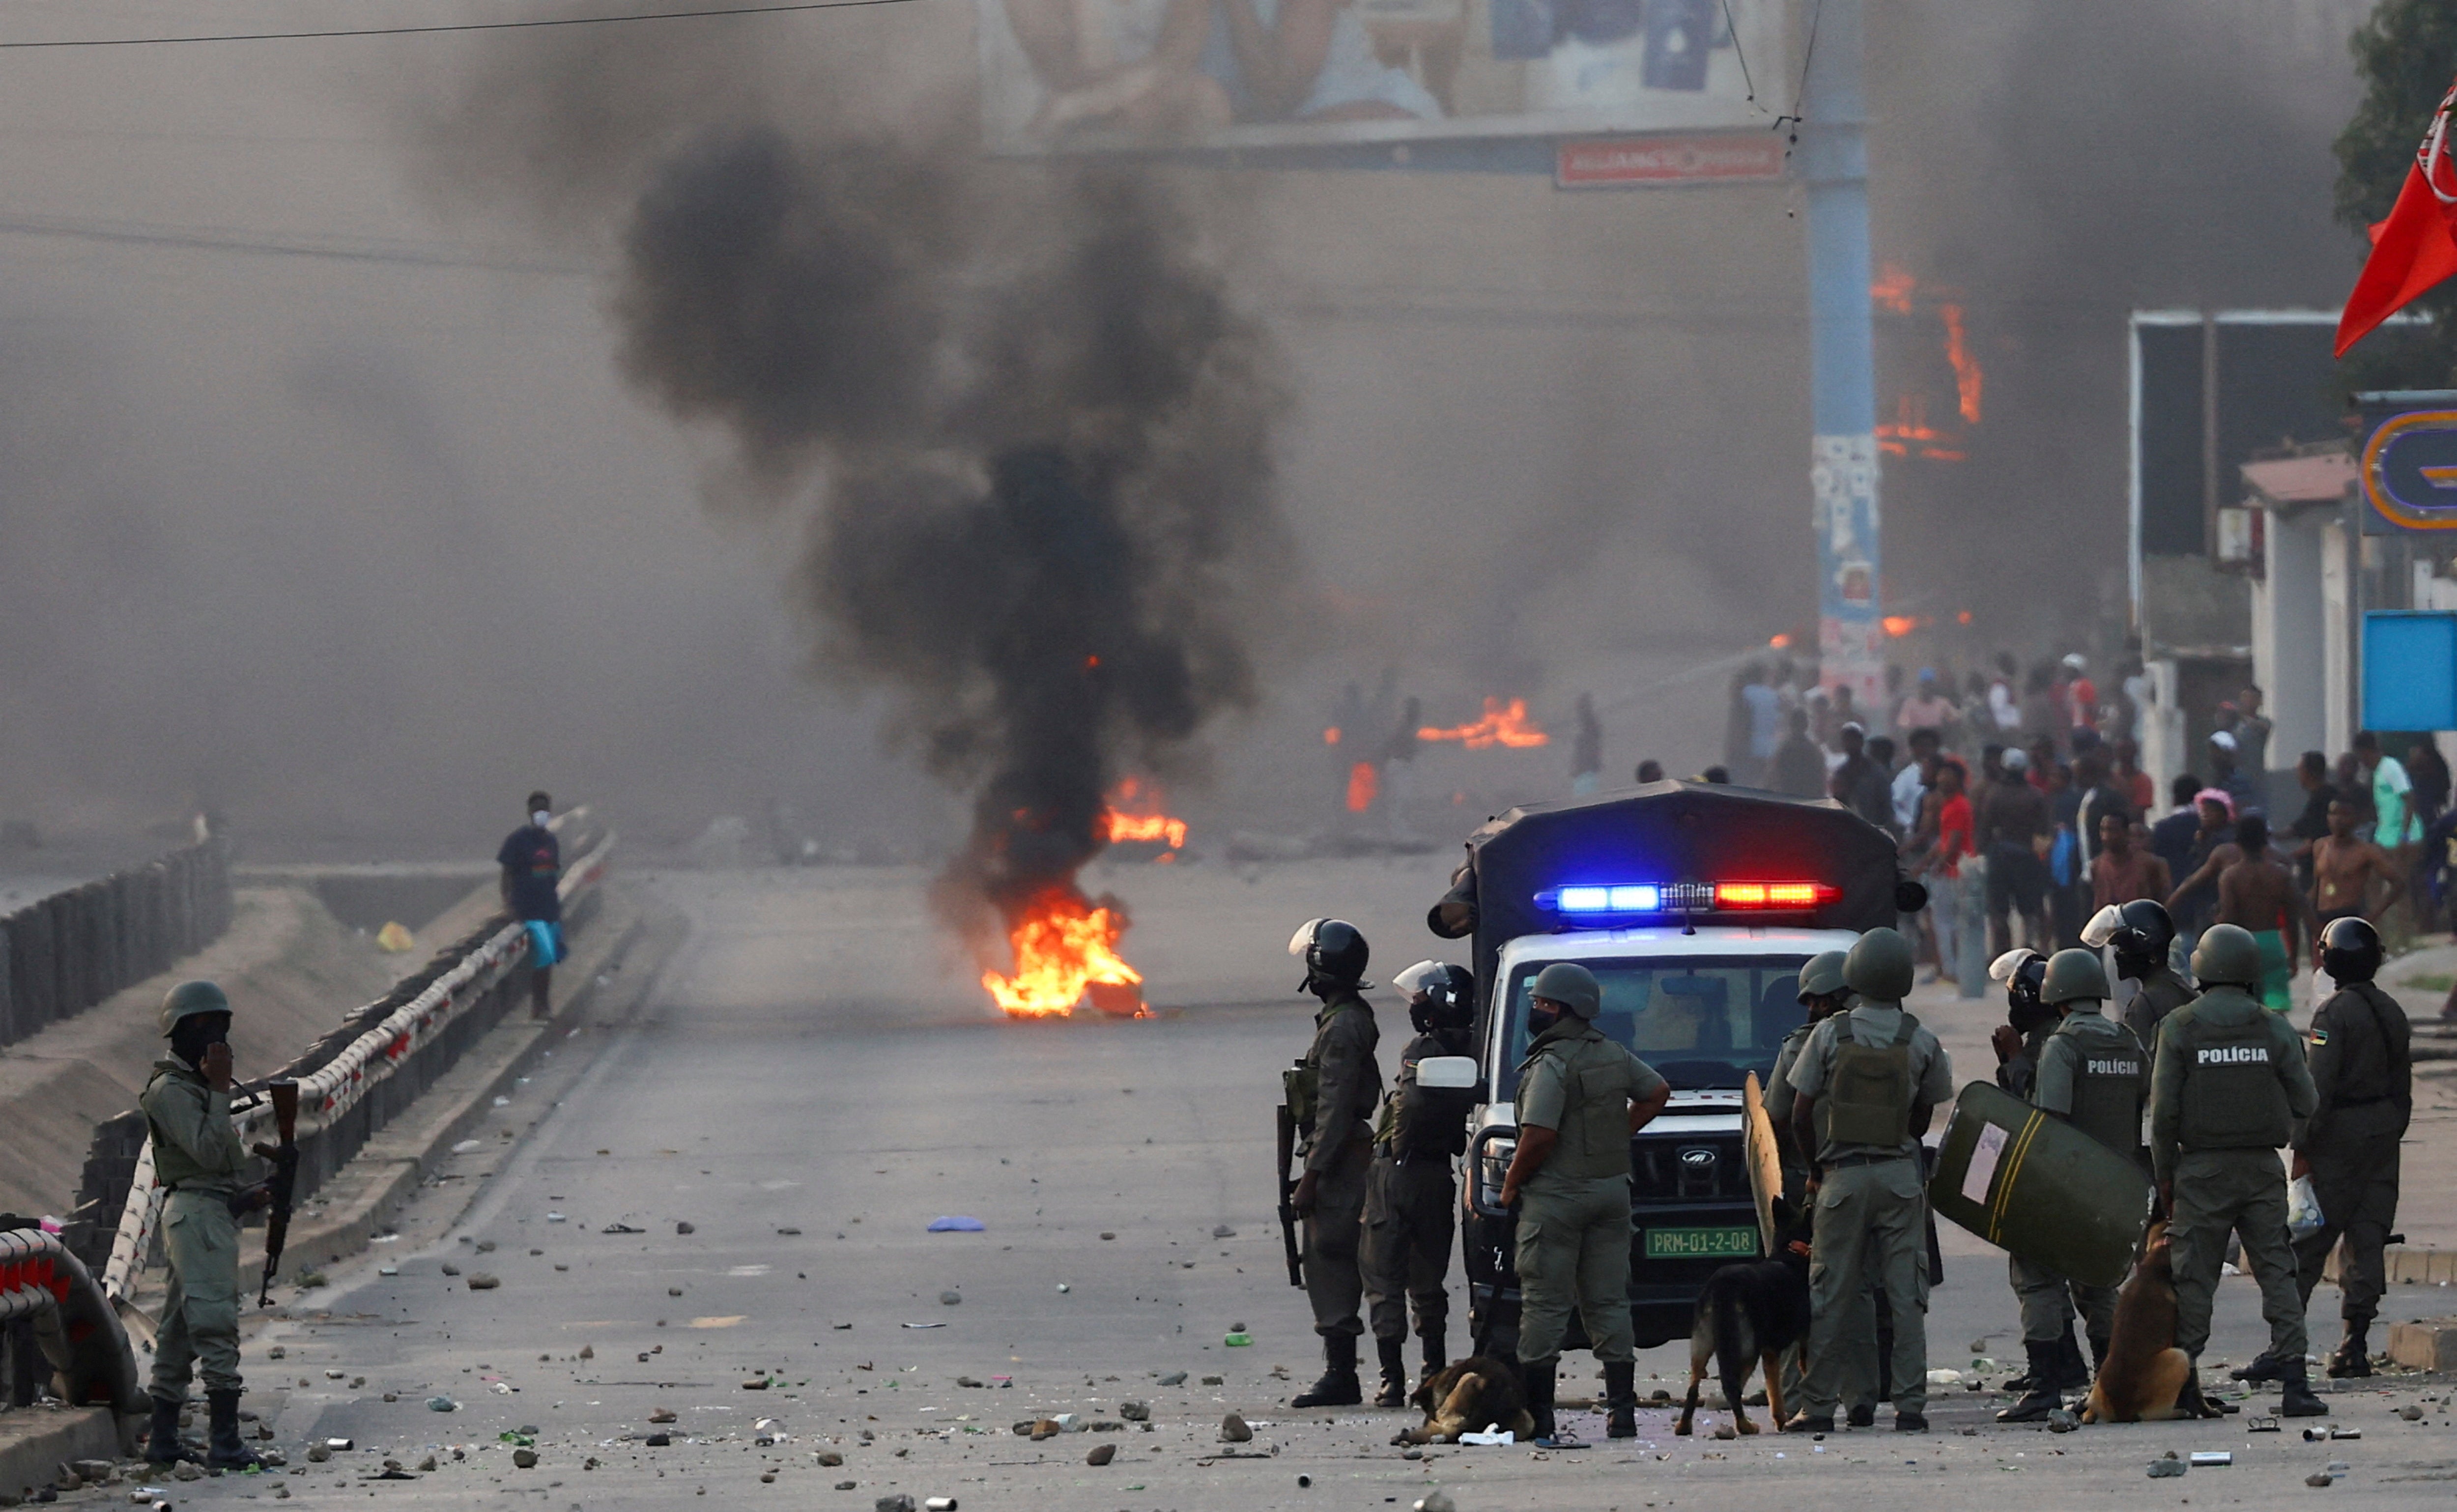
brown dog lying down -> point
(1465, 1396)
(2144, 1373)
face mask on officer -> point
(1542, 1013)
(192, 1036)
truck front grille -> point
(1687, 1167)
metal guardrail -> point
(393, 1042)
(75, 1324)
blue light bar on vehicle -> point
(1589, 900)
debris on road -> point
(685, 1228)
(1135, 1411)
(1223, 1232)
(2161, 1469)
(1436, 1500)
(1102, 1453)
(442, 1404)
(1175, 1378)
(956, 1225)
(1237, 1339)
(483, 1281)
(2212, 1457)
(951, 1298)
(1235, 1430)
(2320, 1478)
(621, 1228)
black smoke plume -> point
(1033, 436)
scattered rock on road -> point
(2161, 1469)
(1233, 1430)
(951, 1298)
(483, 1281)
(1135, 1411)
(1175, 1378)
(1102, 1453)
(685, 1228)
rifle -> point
(285, 1180)
(1288, 1187)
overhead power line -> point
(787, 9)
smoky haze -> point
(368, 546)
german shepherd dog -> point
(1749, 1313)
(1466, 1395)
(2144, 1374)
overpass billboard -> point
(1290, 77)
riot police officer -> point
(2227, 1088)
(1409, 1200)
(2018, 1043)
(1332, 1091)
(2362, 1082)
(2094, 1075)
(1580, 1096)
(2140, 933)
(1822, 994)
(198, 1159)
(1868, 1081)
(2027, 1021)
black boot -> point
(1338, 1387)
(1620, 1401)
(1862, 1415)
(1438, 1352)
(2192, 1403)
(2354, 1356)
(2295, 1398)
(223, 1450)
(2070, 1373)
(1539, 1380)
(2042, 1398)
(1395, 1372)
(2265, 1367)
(162, 1445)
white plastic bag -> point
(2302, 1208)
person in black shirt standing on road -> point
(533, 862)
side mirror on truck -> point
(1447, 1073)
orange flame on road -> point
(1136, 812)
(1065, 949)
(1364, 785)
(1501, 725)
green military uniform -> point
(2362, 1083)
(1338, 1149)
(1779, 1098)
(1870, 1187)
(1574, 1212)
(196, 1156)
(1411, 1202)
(2162, 992)
(2094, 1075)
(2228, 1084)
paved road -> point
(813, 1061)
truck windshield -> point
(1703, 1022)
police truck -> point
(1695, 905)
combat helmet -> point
(1570, 985)
(188, 1000)
(1879, 966)
(2072, 976)
(2227, 956)
(1821, 975)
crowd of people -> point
(2026, 811)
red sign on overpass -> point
(1620, 162)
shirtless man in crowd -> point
(2344, 868)
(2258, 895)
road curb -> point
(32, 1454)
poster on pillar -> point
(1851, 636)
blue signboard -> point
(2409, 670)
(2409, 473)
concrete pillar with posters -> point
(1843, 411)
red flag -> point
(2416, 247)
